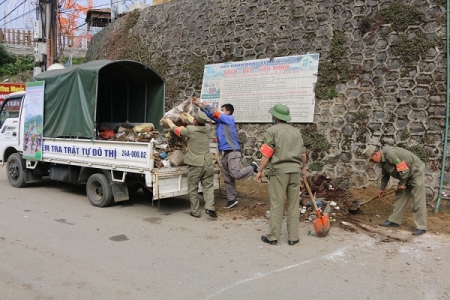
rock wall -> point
(381, 77)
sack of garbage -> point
(106, 133)
(177, 158)
(182, 114)
(147, 127)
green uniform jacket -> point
(287, 142)
(390, 157)
(198, 145)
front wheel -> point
(99, 191)
(14, 171)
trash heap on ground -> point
(330, 199)
(169, 148)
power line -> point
(19, 16)
(13, 10)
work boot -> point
(195, 216)
(389, 224)
(292, 243)
(266, 240)
(211, 213)
(419, 231)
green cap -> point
(201, 117)
(281, 112)
(367, 153)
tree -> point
(5, 57)
(68, 17)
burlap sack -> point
(177, 158)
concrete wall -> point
(384, 93)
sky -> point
(21, 14)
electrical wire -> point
(19, 16)
(13, 10)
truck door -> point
(9, 123)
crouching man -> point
(409, 170)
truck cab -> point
(10, 125)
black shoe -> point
(195, 215)
(211, 213)
(255, 167)
(266, 240)
(230, 204)
(419, 231)
(389, 224)
(292, 243)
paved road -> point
(55, 245)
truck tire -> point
(99, 191)
(14, 171)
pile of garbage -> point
(330, 199)
(169, 148)
(130, 133)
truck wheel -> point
(14, 171)
(98, 190)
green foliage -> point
(18, 65)
(195, 68)
(411, 49)
(366, 24)
(75, 60)
(316, 166)
(361, 115)
(332, 70)
(5, 57)
(404, 134)
(400, 16)
(420, 152)
(314, 141)
(123, 43)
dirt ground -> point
(254, 203)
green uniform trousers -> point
(416, 186)
(280, 186)
(205, 176)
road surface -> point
(55, 245)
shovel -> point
(322, 223)
(356, 205)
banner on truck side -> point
(254, 86)
(33, 121)
(8, 88)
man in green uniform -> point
(409, 170)
(198, 157)
(284, 152)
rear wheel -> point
(14, 171)
(99, 191)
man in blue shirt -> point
(229, 146)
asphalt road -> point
(55, 245)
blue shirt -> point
(226, 133)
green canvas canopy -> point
(80, 99)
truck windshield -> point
(10, 109)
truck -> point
(65, 146)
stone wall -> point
(381, 77)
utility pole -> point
(45, 37)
